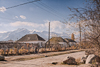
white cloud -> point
(16, 16)
(2, 9)
(0, 24)
(55, 26)
(71, 25)
(19, 23)
(23, 17)
(3, 31)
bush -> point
(78, 60)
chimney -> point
(72, 37)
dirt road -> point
(45, 62)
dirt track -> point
(43, 62)
(40, 55)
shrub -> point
(78, 60)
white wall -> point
(40, 42)
(72, 43)
(64, 44)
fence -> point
(27, 48)
(17, 48)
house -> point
(32, 38)
(70, 41)
(9, 41)
(58, 40)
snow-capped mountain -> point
(17, 34)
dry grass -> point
(78, 60)
(42, 50)
(1, 52)
(73, 47)
(22, 50)
(11, 51)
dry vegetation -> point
(27, 50)
(89, 22)
(78, 60)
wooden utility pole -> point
(80, 33)
(49, 35)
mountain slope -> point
(17, 34)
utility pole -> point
(49, 36)
(80, 33)
(85, 36)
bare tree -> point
(90, 15)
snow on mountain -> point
(17, 34)
(7, 36)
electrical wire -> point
(48, 11)
(51, 9)
(21, 4)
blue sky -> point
(35, 16)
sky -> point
(36, 16)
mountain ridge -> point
(18, 33)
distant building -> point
(58, 40)
(32, 38)
(70, 41)
(9, 41)
(72, 37)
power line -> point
(48, 11)
(21, 4)
(17, 6)
(44, 5)
(36, 5)
(48, 7)
(52, 10)
(8, 19)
